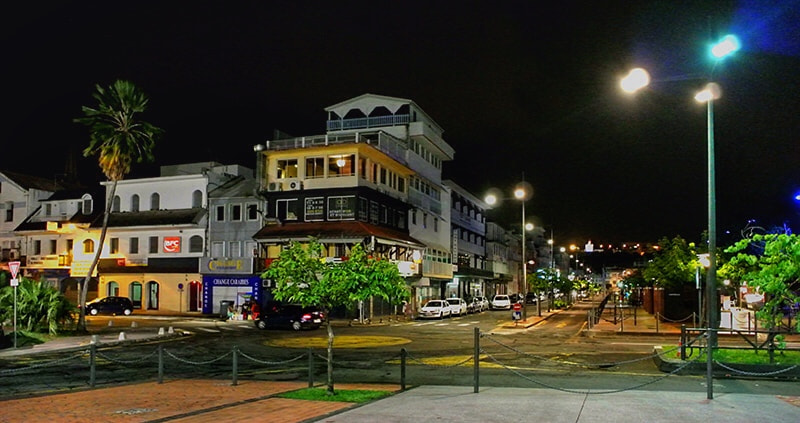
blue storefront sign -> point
(217, 288)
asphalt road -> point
(553, 354)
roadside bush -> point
(40, 307)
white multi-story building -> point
(468, 225)
(20, 196)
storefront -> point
(236, 289)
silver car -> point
(457, 306)
(435, 309)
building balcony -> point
(382, 141)
(367, 122)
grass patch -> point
(343, 395)
(749, 356)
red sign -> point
(172, 244)
(13, 267)
(517, 306)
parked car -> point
(290, 316)
(501, 302)
(110, 305)
(479, 304)
(435, 309)
(457, 306)
(530, 298)
(515, 298)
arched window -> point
(135, 294)
(196, 244)
(87, 203)
(115, 204)
(135, 203)
(88, 246)
(155, 201)
(113, 289)
(197, 199)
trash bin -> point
(223, 309)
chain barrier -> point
(742, 372)
(197, 363)
(41, 365)
(120, 361)
(586, 392)
(588, 366)
(271, 363)
(437, 366)
(685, 319)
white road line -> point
(207, 330)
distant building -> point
(471, 275)
(20, 196)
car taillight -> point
(306, 316)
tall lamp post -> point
(521, 193)
(639, 78)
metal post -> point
(15, 316)
(524, 267)
(310, 367)
(477, 360)
(92, 364)
(683, 342)
(711, 280)
(235, 366)
(403, 355)
(160, 364)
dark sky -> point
(520, 87)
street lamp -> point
(639, 78)
(521, 193)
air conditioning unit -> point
(292, 185)
(274, 186)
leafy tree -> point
(674, 265)
(40, 307)
(301, 276)
(775, 272)
(118, 138)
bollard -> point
(134, 325)
(160, 331)
(235, 363)
(110, 323)
(92, 364)
(160, 364)
(477, 359)
(95, 339)
(310, 368)
(403, 354)
(170, 330)
(121, 336)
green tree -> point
(118, 138)
(771, 264)
(301, 276)
(40, 307)
(673, 266)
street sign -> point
(517, 306)
(13, 266)
(14, 282)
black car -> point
(110, 305)
(290, 316)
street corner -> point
(343, 342)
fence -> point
(489, 353)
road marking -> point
(208, 330)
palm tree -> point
(118, 139)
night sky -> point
(520, 87)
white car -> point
(479, 304)
(501, 302)
(435, 309)
(457, 306)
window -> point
(113, 289)
(235, 249)
(155, 201)
(133, 245)
(115, 205)
(53, 246)
(315, 167)
(220, 216)
(88, 246)
(236, 212)
(286, 209)
(153, 245)
(436, 224)
(70, 244)
(114, 247)
(196, 244)
(9, 211)
(383, 176)
(135, 203)
(341, 165)
(197, 199)
(48, 209)
(414, 217)
(37, 247)
(287, 168)
(87, 204)
(217, 249)
(251, 249)
(401, 184)
(252, 211)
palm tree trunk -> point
(96, 260)
(330, 358)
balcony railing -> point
(384, 142)
(367, 122)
